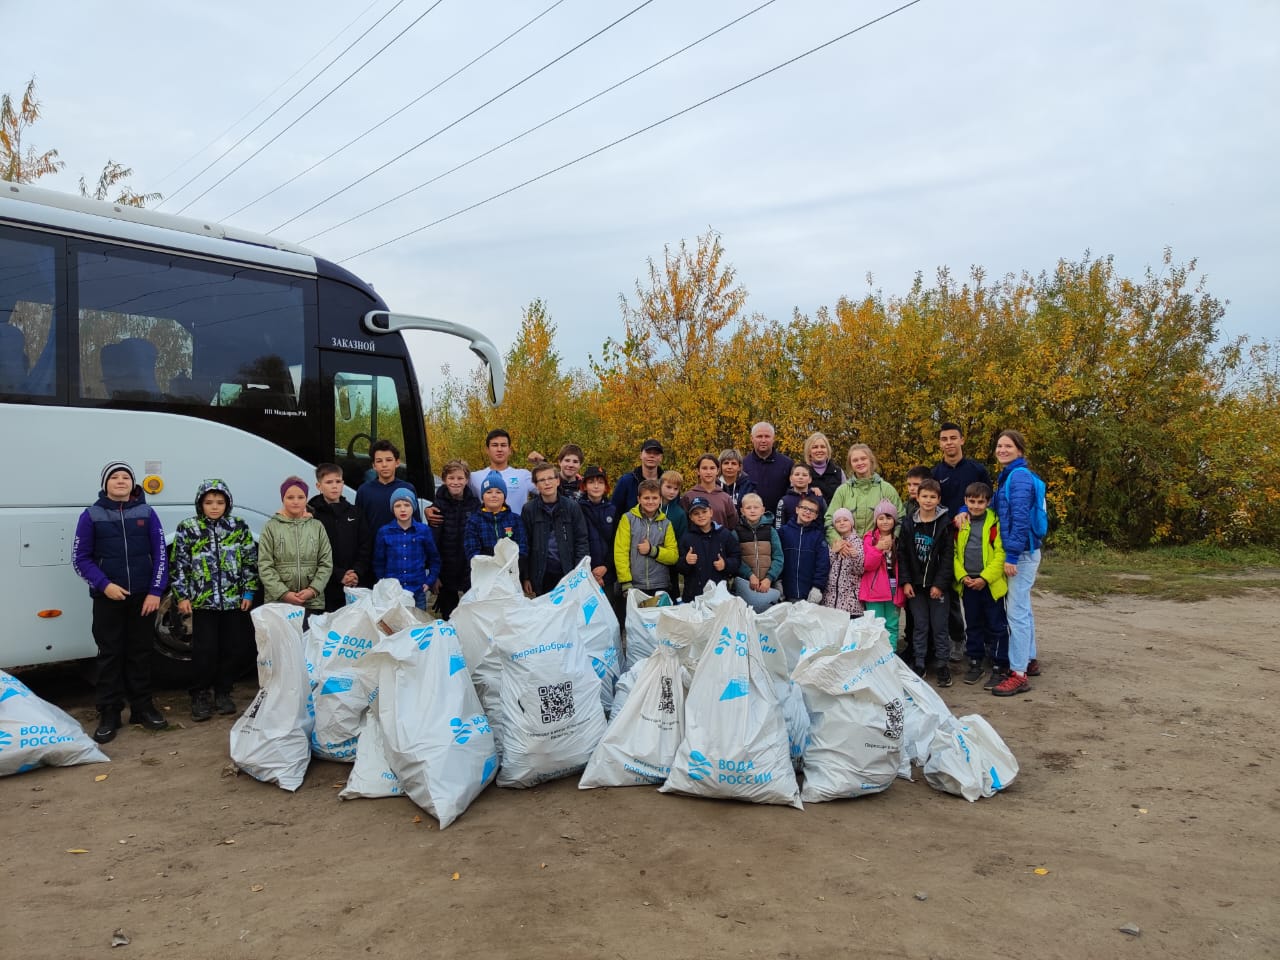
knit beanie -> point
(847, 513)
(294, 482)
(114, 466)
(884, 507)
(403, 493)
(494, 481)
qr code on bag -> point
(557, 701)
(666, 702)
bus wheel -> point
(171, 649)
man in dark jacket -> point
(954, 472)
(624, 493)
(557, 533)
(770, 470)
(349, 536)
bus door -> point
(372, 401)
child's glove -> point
(815, 595)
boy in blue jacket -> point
(119, 551)
(806, 560)
(404, 549)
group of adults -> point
(766, 471)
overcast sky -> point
(996, 133)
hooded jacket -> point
(880, 582)
(485, 529)
(738, 489)
(648, 572)
(790, 500)
(215, 562)
(1015, 496)
(844, 578)
(409, 556)
(927, 551)
(723, 510)
(602, 525)
(121, 542)
(806, 561)
(707, 545)
(992, 554)
(294, 554)
(861, 497)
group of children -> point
(671, 540)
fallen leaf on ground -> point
(456, 876)
(119, 939)
(1040, 871)
(99, 778)
(77, 850)
(257, 888)
(226, 842)
(417, 819)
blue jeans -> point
(1022, 625)
(759, 601)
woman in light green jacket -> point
(295, 560)
(861, 493)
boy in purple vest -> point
(119, 551)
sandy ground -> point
(1148, 791)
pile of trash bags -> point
(797, 704)
(34, 733)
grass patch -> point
(1188, 573)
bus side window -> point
(27, 331)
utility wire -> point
(632, 135)
(336, 87)
(387, 119)
(549, 120)
(281, 107)
(283, 83)
(469, 113)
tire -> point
(171, 666)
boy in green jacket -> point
(980, 581)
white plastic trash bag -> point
(645, 733)
(641, 622)
(371, 775)
(437, 739)
(596, 625)
(551, 716)
(856, 702)
(800, 626)
(970, 760)
(494, 597)
(35, 733)
(924, 714)
(735, 743)
(271, 740)
(342, 687)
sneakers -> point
(1014, 683)
(919, 670)
(224, 705)
(1033, 668)
(943, 676)
(974, 673)
(108, 724)
(148, 716)
(997, 674)
(201, 706)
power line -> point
(338, 86)
(283, 83)
(549, 120)
(291, 98)
(387, 119)
(632, 135)
(469, 113)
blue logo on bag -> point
(995, 780)
(422, 636)
(735, 688)
(336, 685)
(589, 609)
(699, 766)
(461, 731)
(490, 766)
(331, 641)
(456, 662)
(6, 739)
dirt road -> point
(1148, 790)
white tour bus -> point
(189, 350)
